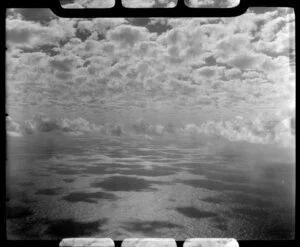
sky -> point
(230, 76)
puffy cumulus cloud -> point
(41, 123)
(212, 3)
(230, 73)
(232, 44)
(29, 34)
(140, 127)
(127, 36)
(36, 14)
(88, 4)
(183, 44)
(263, 129)
(209, 72)
(190, 64)
(138, 4)
(200, 3)
(245, 61)
(116, 130)
(64, 63)
(12, 128)
(280, 42)
(99, 25)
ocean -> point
(121, 187)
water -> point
(129, 187)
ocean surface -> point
(135, 187)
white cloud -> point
(127, 36)
(264, 129)
(64, 63)
(90, 4)
(138, 3)
(13, 128)
(41, 123)
(212, 3)
(29, 34)
(193, 65)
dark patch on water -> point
(230, 178)
(66, 228)
(149, 228)
(65, 170)
(26, 183)
(250, 213)
(91, 197)
(69, 180)
(39, 174)
(220, 186)
(49, 192)
(85, 160)
(194, 212)
(95, 170)
(150, 153)
(281, 232)
(171, 155)
(117, 154)
(220, 223)
(205, 169)
(249, 200)
(157, 171)
(123, 183)
(16, 212)
(239, 198)
(216, 200)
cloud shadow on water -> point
(92, 197)
(69, 180)
(123, 183)
(108, 168)
(240, 198)
(192, 212)
(250, 212)
(223, 186)
(66, 228)
(16, 212)
(149, 228)
(65, 170)
(157, 171)
(49, 192)
(220, 223)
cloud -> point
(41, 123)
(140, 127)
(261, 130)
(210, 71)
(212, 3)
(89, 4)
(185, 67)
(64, 63)
(29, 34)
(127, 36)
(116, 130)
(138, 3)
(36, 14)
(245, 61)
(13, 128)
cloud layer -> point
(177, 70)
(262, 129)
